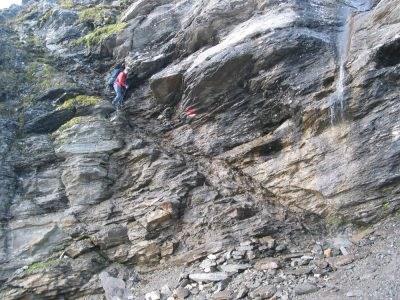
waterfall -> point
(346, 17)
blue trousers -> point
(119, 98)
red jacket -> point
(121, 79)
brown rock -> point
(267, 264)
(328, 252)
(268, 241)
(344, 260)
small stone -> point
(245, 248)
(184, 282)
(267, 241)
(263, 292)
(319, 271)
(344, 251)
(336, 252)
(305, 288)
(165, 291)
(238, 253)
(243, 291)
(153, 296)
(181, 293)
(305, 260)
(317, 250)
(280, 248)
(278, 280)
(208, 277)
(225, 295)
(328, 252)
(220, 260)
(321, 264)
(207, 263)
(232, 269)
(266, 264)
(299, 271)
(344, 260)
(212, 257)
(168, 248)
(222, 285)
(354, 293)
(250, 255)
(246, 243)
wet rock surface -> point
(293, 142)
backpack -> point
(113, 76)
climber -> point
(120, 88)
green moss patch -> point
(43, 265)
(99, 34)
(71, 123)
(43, 19)
(81, 100)
(100, 14)
(66, 4)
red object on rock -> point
(191, 111)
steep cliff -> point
(296, 135)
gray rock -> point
(267, 264)
(79, 248)
(234, 268)
(110, 237)
(263, 292)
(153, 296)
(49, 122)
(114, 287)
(208, 277)
(305, 288)
(181, 293)
(242, 292)
(354, 293)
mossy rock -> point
(71, 123)
(99, 35)
(80, 101)
(41, 265)
(100, 14)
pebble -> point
(207, 277)
(344, 251)
(266, 264)
(212, 257)
(280, 248)
(153, 296)
(165, 290)
(265, 292)
(235, 268)
(225, 295)
(305, 288)
(267, 241)
(344, 260)
(243, 291)
(181, 293)
(354, 293)
(328, 252)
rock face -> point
(296, 128)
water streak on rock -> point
(346, 15)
